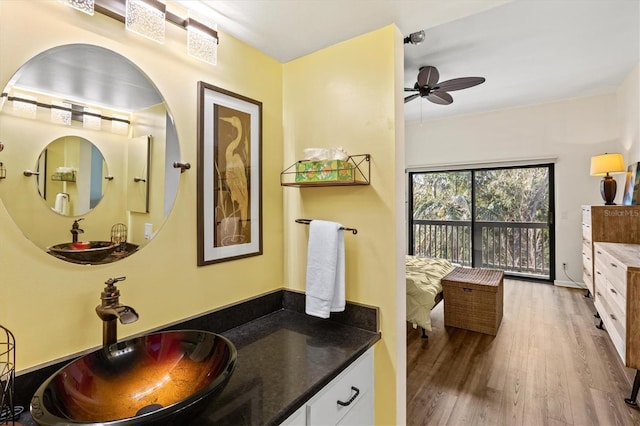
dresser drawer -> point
(586, 215)
(612, 327)
(611, 315)
(587, 255)
(617, 275)
(353, 384)
(617, 303)
(587, 278)
(599, 284)
(615, 271)
(586, 231)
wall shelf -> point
(355, 170)
(65, 177)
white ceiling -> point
(529, 51)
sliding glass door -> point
(493, 218)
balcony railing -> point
(518, 248)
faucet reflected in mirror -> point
(110, 311)
(75, 230)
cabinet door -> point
(361, 414)
(350, 388)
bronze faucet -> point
(111, 310)
(75, 230)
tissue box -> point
(66, 176)
(324, 171)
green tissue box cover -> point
(323, 171)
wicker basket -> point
(473, 299)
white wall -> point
(571, 131)
(628, 97)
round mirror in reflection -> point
(117, 119)
(72, 173)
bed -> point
(424, 289)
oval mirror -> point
(66, 115)
(71, 176)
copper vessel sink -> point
(155, 379)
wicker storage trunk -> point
(473, 299)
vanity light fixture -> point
(75, 112)
(61, 115)
(85, 6)
(120, 125)
(25, 106)
(202, 40)
(91, 119)
(146, 18)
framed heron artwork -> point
(229, 175)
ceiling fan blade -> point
(411, 97)
(428, 76)
(407, 89)
(459, 83)
(440, 98)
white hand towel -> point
(62, 203)
(325, 269)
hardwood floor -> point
(548, 365)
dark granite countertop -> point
(284, 357)
(283, 360)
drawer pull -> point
(353, 398)
(613, 291)
(599, 252)
(613, 317)
(468, 290)
(598, 293)
(614, 265)
(598, 272)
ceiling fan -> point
(428, 87)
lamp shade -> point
(607, 163)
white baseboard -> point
(569, 284)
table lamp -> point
(602, 165)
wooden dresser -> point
(614, 224)
(617, 300)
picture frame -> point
(631, 196)
(229, 188)
(635, 200)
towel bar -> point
(354, 231)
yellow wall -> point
(49, 304)
(347, 95)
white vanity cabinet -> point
(617, 299)
(346, 400)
